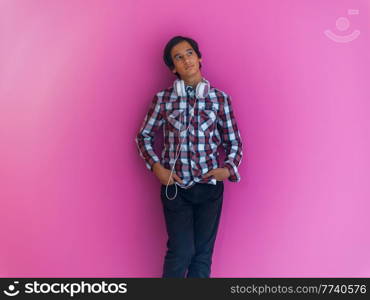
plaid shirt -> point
(213, 123)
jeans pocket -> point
(171, 200)
(219, 191)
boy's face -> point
(185, 60)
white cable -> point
(178, 151)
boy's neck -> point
(193, 81)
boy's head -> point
(182, 57)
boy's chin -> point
(189, 74)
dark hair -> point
(173, 42)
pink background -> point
(76, 80)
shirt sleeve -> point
(231, 140)
(145, 137)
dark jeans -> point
(192, 220)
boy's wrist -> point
(228, 171)
(156, 166)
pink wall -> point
(76, 82)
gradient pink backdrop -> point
(76, 79)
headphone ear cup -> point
(182, 86)
(202, 89)
(179, 87)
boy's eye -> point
(188, 53)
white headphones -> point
(201, 91)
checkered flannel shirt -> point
(213, 123)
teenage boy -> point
(197, 118)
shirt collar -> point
(190, 90)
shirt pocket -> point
(175, 119)
(207, 119)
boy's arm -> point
(145, 137)
(231, 140)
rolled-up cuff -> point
(234, 174)
(149, 164)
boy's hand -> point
(219, 174)
(163, 174)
